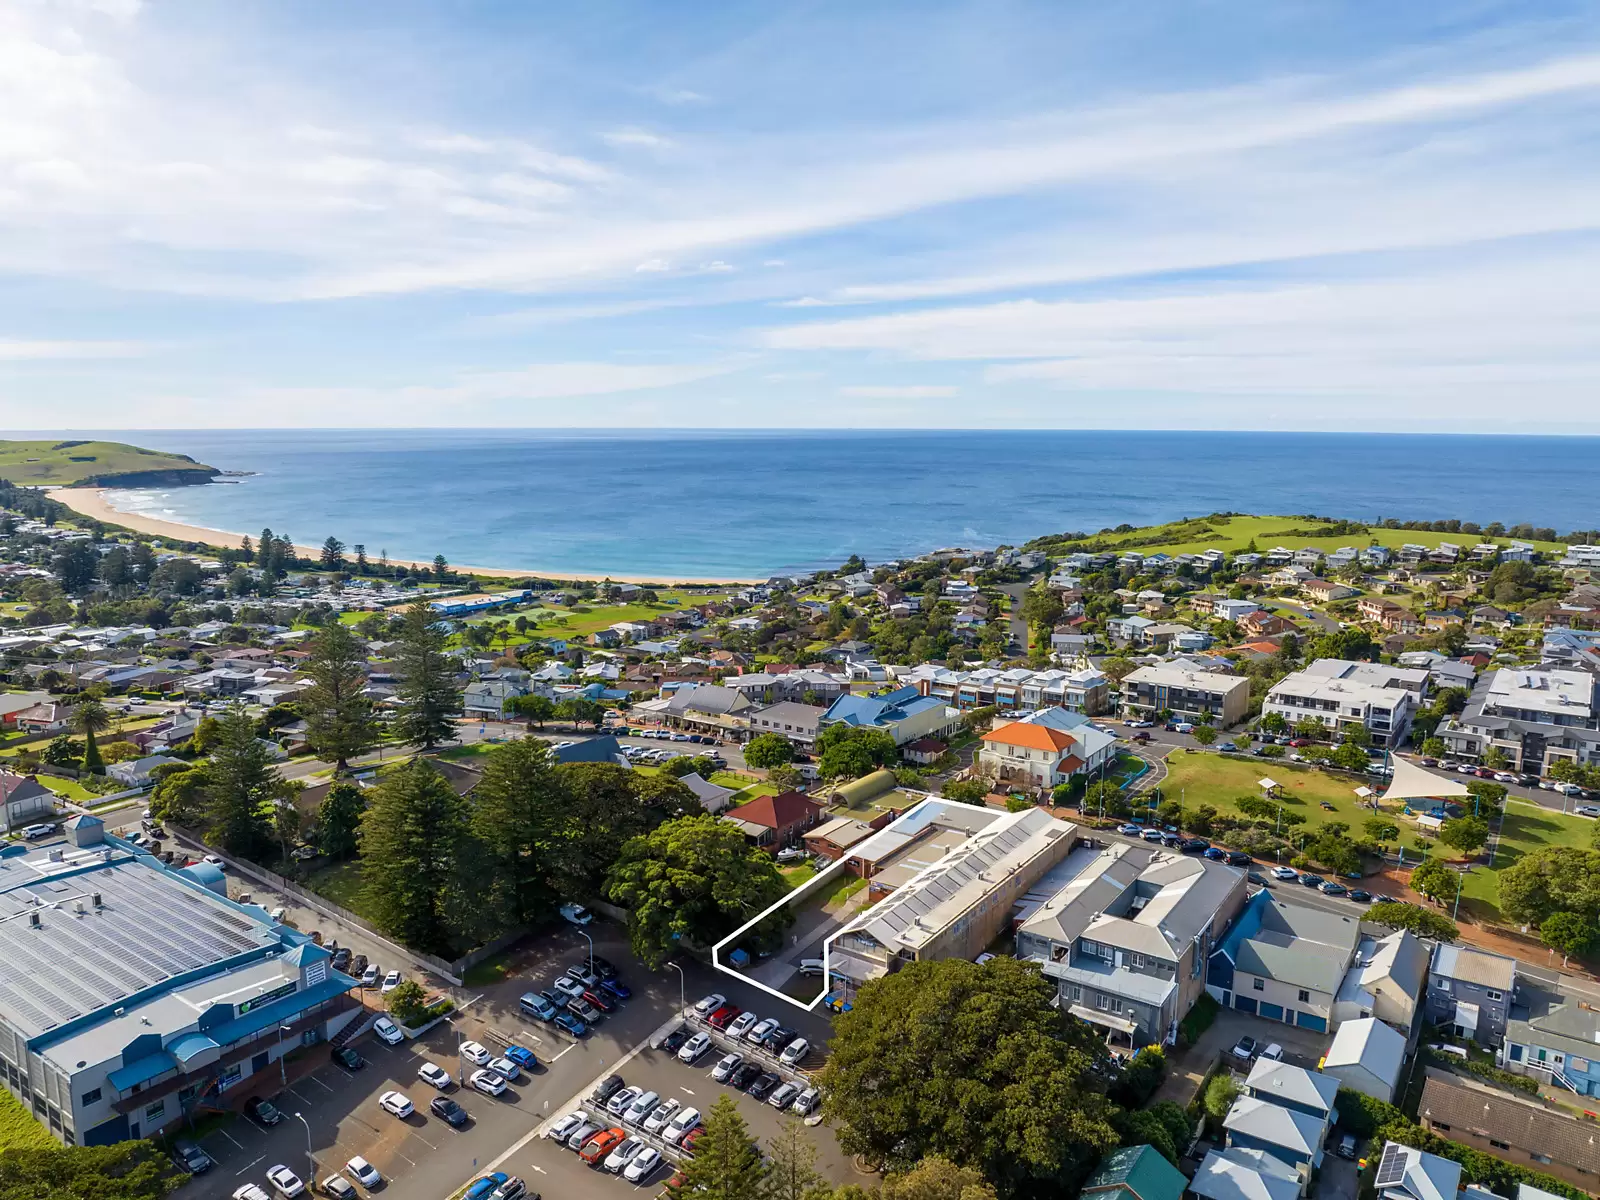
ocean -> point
(750, 504)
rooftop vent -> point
(33, 920)
(95, 900)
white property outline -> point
(838, 864)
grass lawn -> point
(1220, 781)
(340, 883)
(491, 970)
(18, 1129)
(1526, 828)
(69, 789)
(797, 875)
(1233, 534)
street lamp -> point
(683, 1001)
(311, 1162)
(590, 940)
(283, 1074)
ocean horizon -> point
(751, 503)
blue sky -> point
(1186, 215)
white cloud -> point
(24, 350)
(898, 391)
(715, 267)
(641, 138)
(653, 265)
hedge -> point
(1476, 1167)
(1198, 1019)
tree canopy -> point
(769, 750)
(339, 722)
(972, 1063)
(411, 838)
(429, 701)
(1555, 879)
(135, 1170)
(851, 751)
(241, 784)
(1420, 921)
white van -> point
(811, 966)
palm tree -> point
(90, 717)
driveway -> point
(1186, 1070)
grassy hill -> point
(1235, 533)
(60, 464)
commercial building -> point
(1045, 748)
(797, 722)
(1340, 694)
(1534, 716)
(1126, 938)
(1204, 696)
(1284, 962)
(1084, 690)
(905, 714)
(132, 995)
(957, 904)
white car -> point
(568, 987)
(577, 914)
(783, 1096)
(662, 1116)
(1587, 810)
(488, 1082)
(370, 977)
(475, 1053)
(1285, 873)
(214, 860)
(277, 914)
(388, 1032)
(284, 1181)
(686, 1120)
(563, 1128)
(806, 1101)
(363, 1172)
(707, 1005)
(726, 1066)
(622, 1155)
(249, 1191)
(506, 1069)
(643, 1105)
(643, 1165)
(623, 1101)
(434, 1076)
(694, 1048)
(758, 1032)
(390, 982)
(795, 1052)
(740, 1025)
(396, 1103)
(1274, 1052)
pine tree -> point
(332, 554)
(242, 783)
(411, 838)
(518, 811)
(726, 1164)
(361, 558)
(339, 820)
(339, 722)
(792, 1159)
(427, 691)
(264, 550)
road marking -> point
(247, 1166)
(320, 1084)
(231, 1138)
(568, 1050)
(688, 1091)
(538, 1168)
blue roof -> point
(142, 1071)
(205, 873)
(191, 1044)
(879, 710)
(603, 749)
(306, 952)
(285, 1009)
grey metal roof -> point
(152, 925)
(1370, 1044)
(1271, 1080)
(1226, 1175)
(1275, 1125)
(1471, 965)
(1292, 961)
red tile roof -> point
(777, 812)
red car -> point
(690, 1138)
(1298, 742)
(723, 1016)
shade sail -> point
(1411, 782)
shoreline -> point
(91, 502)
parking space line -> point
(245, 1168)
(320, 1084)
(231, 1138)
(568, 1050)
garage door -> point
(1245, 1003)
(1272, 1012)
(1311, 1021)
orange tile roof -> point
(1034, 737)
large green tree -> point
(769, 750)
(792, 1164)
(949, 1058)
(726, 1164)
(850, 751)
(1555, 879)
(1421, 921)
(339, 820)
(412, 841)
(136, 1170)
(693, 877)
(339, 723)
(241, 784)
(522, 816)
(1431, 878)
(1567, 933)
(89, 717)
(1464, 833)
(429, 701)
(606, 806)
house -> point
(905, 714)
(1340, 694)
(1216, 699)
(12, 703)
(1411, 1174)
(775, 822)
(1289, 1135)
(1367, 1056)
(1520, 1129)
(1555, 1038)
(1241, 1174)
(1126, 936)
(1471, 990)
(1135, 1173)
(49, 717)
(924, 752)
(1233, 610)
(1262, 623)
(832, 839)
(1388, 980)
(1535, 716)
(1045, 749)
(714, 798)
(136, 772)
(602, 749)
(26, 800)
(797, 722)
(168, 734)
(1308, 1092)
(1326, 590)
(490, 699)
(708, 707)
(1284, 961)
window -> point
(1538, 1158)
(153, 1112)
(1498, 1145)
(1494, 995)
(1305, 996)
(1077, 992)
(1136, 959)
(1439, 1125)
(1090, 947)
(1259, 985)
(1578, 1064)
(1100, 1002)
(1106, 952)
(90, 1097)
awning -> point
(1109, 1020)
(1467, 1016)
(1413, 783)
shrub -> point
(1364, 1115)
(406, 1002)
(1140, 1078)
(1198, 1019)
(1220, 1094)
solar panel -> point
(1392, 1167)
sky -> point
(1195, 215)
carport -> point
(1108, 1021)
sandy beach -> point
(91, 502)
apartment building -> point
(1340, 694)
(1220, 700)
(1084, 691)
(1127, 937)
(1535, 716)
(1285, 962)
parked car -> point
(347, 1058)
(577, 914)
(579, 1136)
(1360, 896)
(1273, 1052)
(562, 1129)
(284, 1181)
(1195, 846)
(807, 1101)
(434, 1076)
(674, 1041)
(1244, 1049)
(262, 1112)
(602, 1144)
(741, 1024)
(745, 1076)
(643, 1105)
(687, 1119)
(1307, 879)
(707, 1005)
(506, 1069)
(723, 1017)
(762, 1087)
(695, 1048)
(363, 1172)
(643, 1165)
(1216, 854)
(659, 1117)
(579, 1007)
(584, 975)
(623, 1100)
(726, 1066)
(390, 982)
(448, 1111)
(1285, 873)
(339, 1188)
(523, 1057)
(758, 1032)
(188, 1155)
(783, 1096)
(596, 998)
(475, 1052)
(1347, 1146)
(539, 1007)
(1333, 888)
(490, 1083)
(566, 986)
(42, 830)
(1238, 858)
(396, 1104)
(622, 1154)
(795, 1052)
(388, 1032)
(616, 988)
(370, 976)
